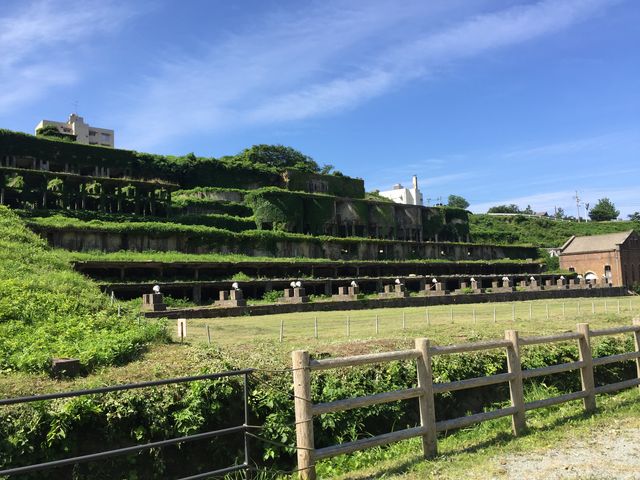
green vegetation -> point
(57, 429)
(488, 451)
(148, 256)
(220, 221)
(52, 131)
(457, 201)
(238, 242)
(543, 232)
(261, 165)
(439, 327)
(604, 210)
(47, 310)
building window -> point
(105, 137)
(92, 133)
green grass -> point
(168, 257)
(298, 328)
(479, 452)
(48, 310)
(542, 232)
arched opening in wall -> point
(591, 277)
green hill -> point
(47, 310)
(541, 232)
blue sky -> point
(498, 101)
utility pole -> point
(577, 204)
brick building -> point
(614, 257)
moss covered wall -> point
(282, 210)
(187, 171)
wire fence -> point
(393, 322)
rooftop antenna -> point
(75, 107)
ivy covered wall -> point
(188, 171)
(296, 212)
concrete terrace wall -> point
(87, 240)
(367, 304)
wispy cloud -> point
(328, 60)
(41, 44)
(571, 147)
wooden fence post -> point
(516, 391)
(427, 405)
(304, 417)
(586, 372)
(636, 341)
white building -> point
(83, 132)
(406, 196)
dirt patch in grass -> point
(608, 453)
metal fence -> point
(103, 455)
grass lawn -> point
(442, 324)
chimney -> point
(415, 181)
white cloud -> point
(557, 150)
(41, 45)
(306, 63)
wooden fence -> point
(305, 409)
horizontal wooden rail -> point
(328, 363)
(359, 402)
(614, 387)
(550, 370)
(548, 402)
(615, 330)
(426, 389)
(469, 347)
(384, 439)
(462, 422)
(561, 337)
(472, 383)
(620, 357)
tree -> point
(603, 210)
(278, 156)
(559, 215)
(513, 208)
(634, 217)
(457, 201)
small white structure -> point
(83, 132)
(406, 196)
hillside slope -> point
(541, 232)
(47, 310)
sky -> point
(501, 102)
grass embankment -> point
(178, 257)
(226, 221)
(48, 310)
(541, 232)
